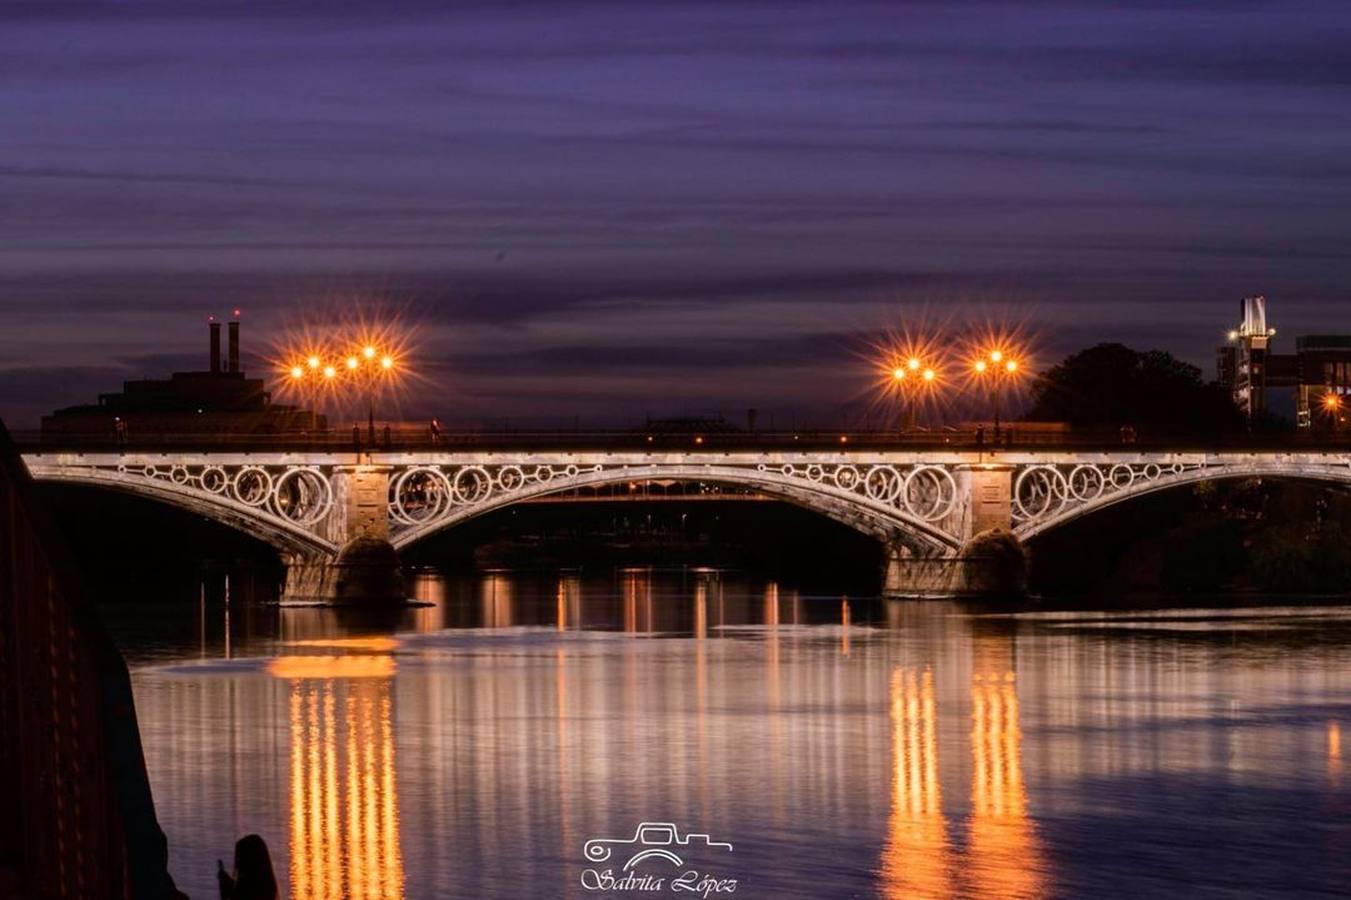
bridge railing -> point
(405, 438)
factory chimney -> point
(234, 343)
(215, 344)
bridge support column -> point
(990, 565)
(991, 561)
(366, 569)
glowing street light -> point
(343, 366)
(1333, 403)
(910, 375)
(999, 366)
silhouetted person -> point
(253, 878)
(980, 436)
(120, 429)
(434, 429)
(386, 437)
(356, 437)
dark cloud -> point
(691, 202)
(21, 173)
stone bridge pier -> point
(365, 568)
(990, 561)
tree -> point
(1113, 385)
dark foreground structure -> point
(79, 821)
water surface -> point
(845, 747)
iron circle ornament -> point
(929, 492)
(1086, 482)
(252, 486)
(213, 480)
(472, 484)
(1040, 491)
(302, 495)
(420, 494)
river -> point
(827, 746)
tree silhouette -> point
(1113, 385)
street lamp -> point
(370, 375)
(999, 367)
(908, 379)
(362, 368)
(1332, 405)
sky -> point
(608, 210)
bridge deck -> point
(410, 441)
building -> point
(220, 400)
(1319, 371)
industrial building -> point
(1319, 371)
(219, 400)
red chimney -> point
(234, 346)
(215, 344)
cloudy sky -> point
(607, 209)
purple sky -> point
(607, 209)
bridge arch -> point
(877, 518)
(254, 520)
(1070, 504)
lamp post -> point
(908, 379)
(1332, 406)
(369, 367)
(362, 369)
(998, 367)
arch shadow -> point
(255, 521)
(1028, 530)
(878, 520)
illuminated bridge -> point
(933, 510)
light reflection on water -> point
(847, 748)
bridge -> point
(934, 511)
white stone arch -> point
(1333, 471)
(876, 519)
(255, 521)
